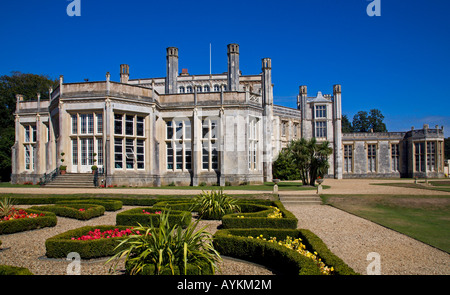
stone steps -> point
(72, 180)
(301, 200)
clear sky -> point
(397, 62)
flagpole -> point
(209, 58)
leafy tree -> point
(346, 125)
(376, 121)
(17, 83)
(283, 167)
(363, 122)
(306, 157)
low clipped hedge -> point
(255, 216)
(61, 245)
(235, 243)
(135, 216)
(110, 205)
(150, 269)
(14, 270)
(24, 224)
(72, 210)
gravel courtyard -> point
(348, 236)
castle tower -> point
(301, 105)
(172, 70)
(267, 98)
(233, 67)
(124, 73)
(337, 129)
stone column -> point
(233, 67)
(337, 126)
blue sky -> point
(397, 62)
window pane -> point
(117, 124)
(90, 122)
(74, 152)
(169, 130)
(187, 129)
(129, 152)
(27, 133)
(140, 154)
(205, 156)
(74, 124)
(83, 123)
(188, 155)
(140, 126)
(169, 156)
(100, 151)
(179, 129)
(129, 125)
(118, 153)
(179, 157)
(83, 151)
(99, 123)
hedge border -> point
(14, 270)
(61, 245)
(235, 243)
(259, 219)
(150, 269)
(110, 205)
(71, 210)
(25, 224)
(134, 216)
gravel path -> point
(352, 238)
(27, 249)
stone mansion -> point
(192, 129)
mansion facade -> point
(187, 129)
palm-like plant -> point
(6, 206)
(167, 247)
(215, 204)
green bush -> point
(73, 210)
(214, 204)
(136, 216)
(24, 224)
(168, 249)
(14, 270)
(235, 243)
(110, 205)
(62, 244)
(255, 216)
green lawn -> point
(267, 186)
(425, 218)
(434, 185)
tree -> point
(283, 167)
(346, 125)
(306, 157)
(17, 83)
(376, 121)
(363, 122)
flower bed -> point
(261, 216)
(110, 205)
(237, 243)
(148, 216)
(77, 211)
(23, 220)
(88, 241)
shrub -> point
(136, 216)
(168, 249)
(235, 243)
(215, 204)
(24, 224)
(257, 216)
(14, 270)
(77, 211)
(110, 205)
(61, 245)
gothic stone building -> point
(191, 129)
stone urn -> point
(319, 180)
(275, 181)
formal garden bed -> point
(79, 211)
(172, 219)
(18, 220)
